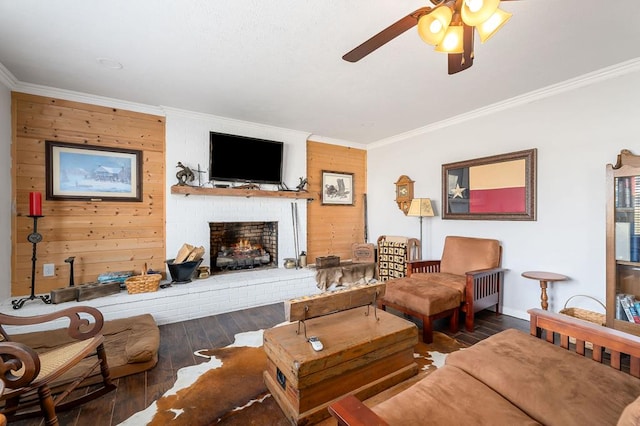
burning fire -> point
(245, 245)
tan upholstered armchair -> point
(31, 378)
(468, 278)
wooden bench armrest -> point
(350, 411)
(484, 272)
(423, 266)
(480, 278)
(79, 328)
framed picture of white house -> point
(94, 173)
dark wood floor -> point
(178, 342)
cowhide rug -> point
(229, 388)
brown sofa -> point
(513, 378)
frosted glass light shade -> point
(491, 26)
(453, 41)
(433, 26)
(475, 12)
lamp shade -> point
(491, 26)
(453, 41)
(421, 207)
(475, 12)
(433, 26)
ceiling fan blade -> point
(386, 35)
(461, 61)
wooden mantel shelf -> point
(236, 192)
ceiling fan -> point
(449, 25)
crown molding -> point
(7, 78)
(70, 95)
(333, 141)
(169, 111)
(10, 81)
(536, 95)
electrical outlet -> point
(48, 270)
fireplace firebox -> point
(243, 245)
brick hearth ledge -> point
(210, 296)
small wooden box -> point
(94, 290)
(363, 253)
(361, 356)
(64, 294)
(327, 261)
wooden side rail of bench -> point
(602, 338)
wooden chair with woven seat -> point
(40, 383)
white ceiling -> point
(279, 62)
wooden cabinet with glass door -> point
(623, 243)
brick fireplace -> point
(243, 245)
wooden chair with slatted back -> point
(467, 278)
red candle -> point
(35, 204)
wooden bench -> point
(515, 378)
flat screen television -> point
(243, 159)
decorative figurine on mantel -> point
(302, 184)
(184, 175)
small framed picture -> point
(85, 172)
(337, 188)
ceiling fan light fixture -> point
(491, 26)
(475, 12)
(453, 41)
(433, 26)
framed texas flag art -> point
(500, 187)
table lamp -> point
(421, 207)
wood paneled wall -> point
(333, 229)
(103, 236)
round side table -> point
(544, 278)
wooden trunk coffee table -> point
(361, 356)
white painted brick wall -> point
(180, 302)
(188, 217)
